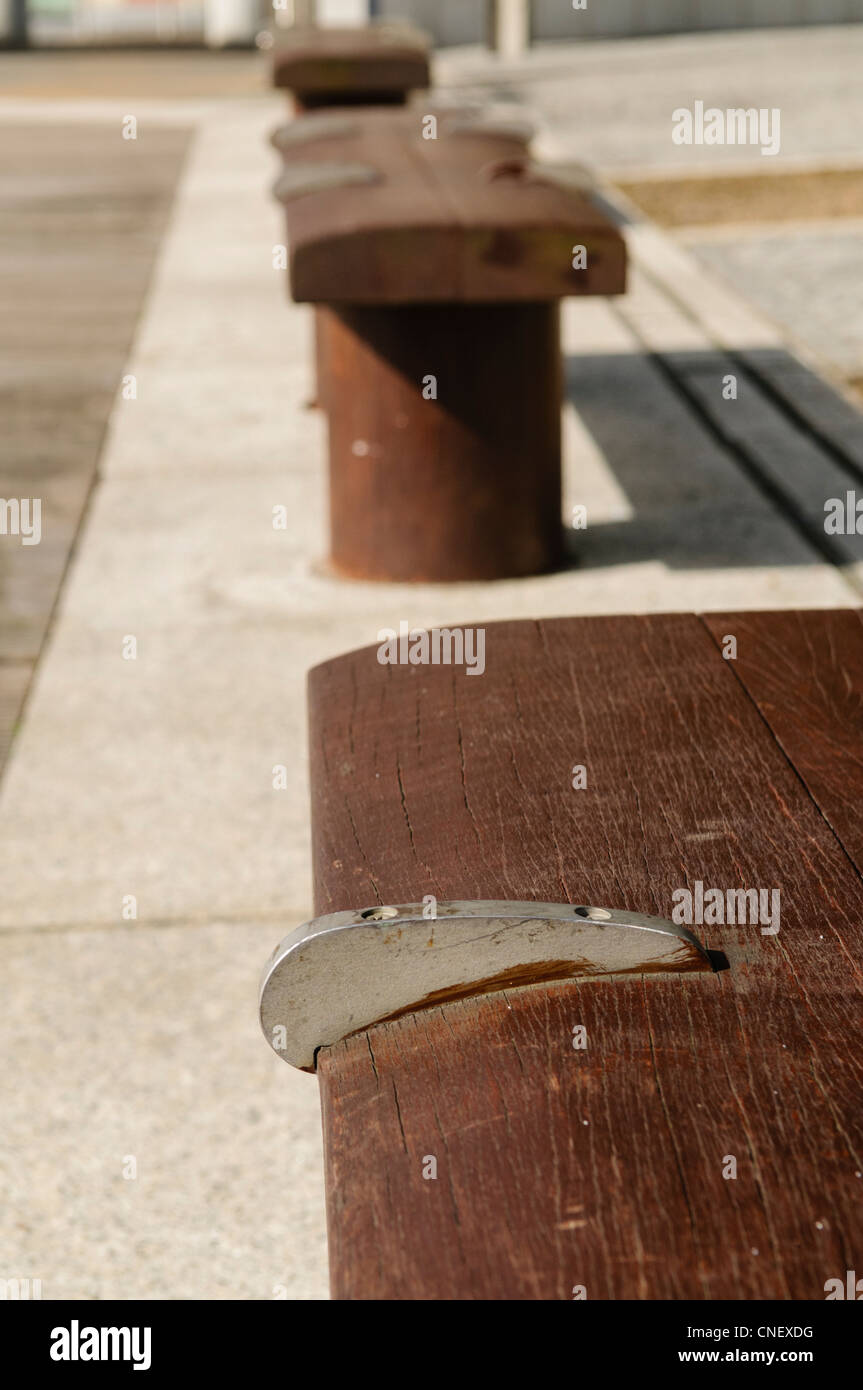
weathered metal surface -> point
(347, 971)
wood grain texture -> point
(601, 1167)
(806, 677)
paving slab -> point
(794, 467)
(82, 215)
(810, 284)
(137, 1050)
(177, 423)
(612, 103)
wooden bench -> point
(705, 1141)
(374, 66)
(465, 135)
(438, 265)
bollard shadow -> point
(706, 478)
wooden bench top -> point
(350, 134)
(380, 215)
(382, 57)
(603, 1168)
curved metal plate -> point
(341, 973)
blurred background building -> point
(222, 22)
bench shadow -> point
(697, 471)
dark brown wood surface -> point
(347, 136)
(806, 676)
(560, 1169)
(426, 227)
(323, 64)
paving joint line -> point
(283, 921)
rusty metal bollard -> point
(439, 278)
(374, 66)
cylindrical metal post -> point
(508, 27)
(444, 437)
